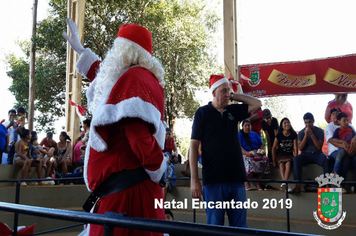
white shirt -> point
(329, 132)
(11, 131)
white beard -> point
(119, 59)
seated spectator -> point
(78, 155)
(10, 126)
(21, 157)
(342, 137)
(310, 143)
(341, 102)
(170, 147)
(169, 215)
(256, 119)
(270, 127)
(35, 153)
(62, 157)
(253, 152)
(171, 173)
(334, 145)
(285, 147)
(46, 164)
(49, 145)
(48, 148)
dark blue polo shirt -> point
(221, 150)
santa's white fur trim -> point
(218, 83)
(86, 161)
(86, 59)
(86, 230)
(90, 92)
(121, 56)
(133, 107)
(157, 174)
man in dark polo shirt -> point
(215, 126)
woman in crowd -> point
(78, 157)
(253, 152)
(285, 147)
(341, 102)
(63, 157)
(21, 156)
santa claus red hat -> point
(137, 34)
(216, 81)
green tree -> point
(181, 32)
(277, 106)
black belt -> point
(115, 183)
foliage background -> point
(183, 32)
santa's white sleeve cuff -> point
(157, 174)
(85, 61)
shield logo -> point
(254, 77)
(329, 204)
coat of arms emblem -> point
(254, 77)
(329, 202)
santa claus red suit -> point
(126, 99)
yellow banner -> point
(340, 79)
(291, 81)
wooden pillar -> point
(230, 38)
(73, 79)
(32, 77)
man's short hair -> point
(49, 135)
(335, 109)
(33, 133)
(12, 111)
(169, 212)
(87, 122)
(24, 133)
(21, 110)
(342, 114)
(266, 113)
(308, 116)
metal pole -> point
(17, 201)
(108, 230)
(194, 216)
(288, 220)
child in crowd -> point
(343, 137)
(19, 122)
(171, 173)
(35, 153)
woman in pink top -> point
(341, 102)
(77, 152)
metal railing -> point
(111, 220)
(18, 182)
(17, 193)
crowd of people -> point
(23, 149)
(230, 157)
(131, 150)
(291, 151)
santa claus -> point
(123, 160)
